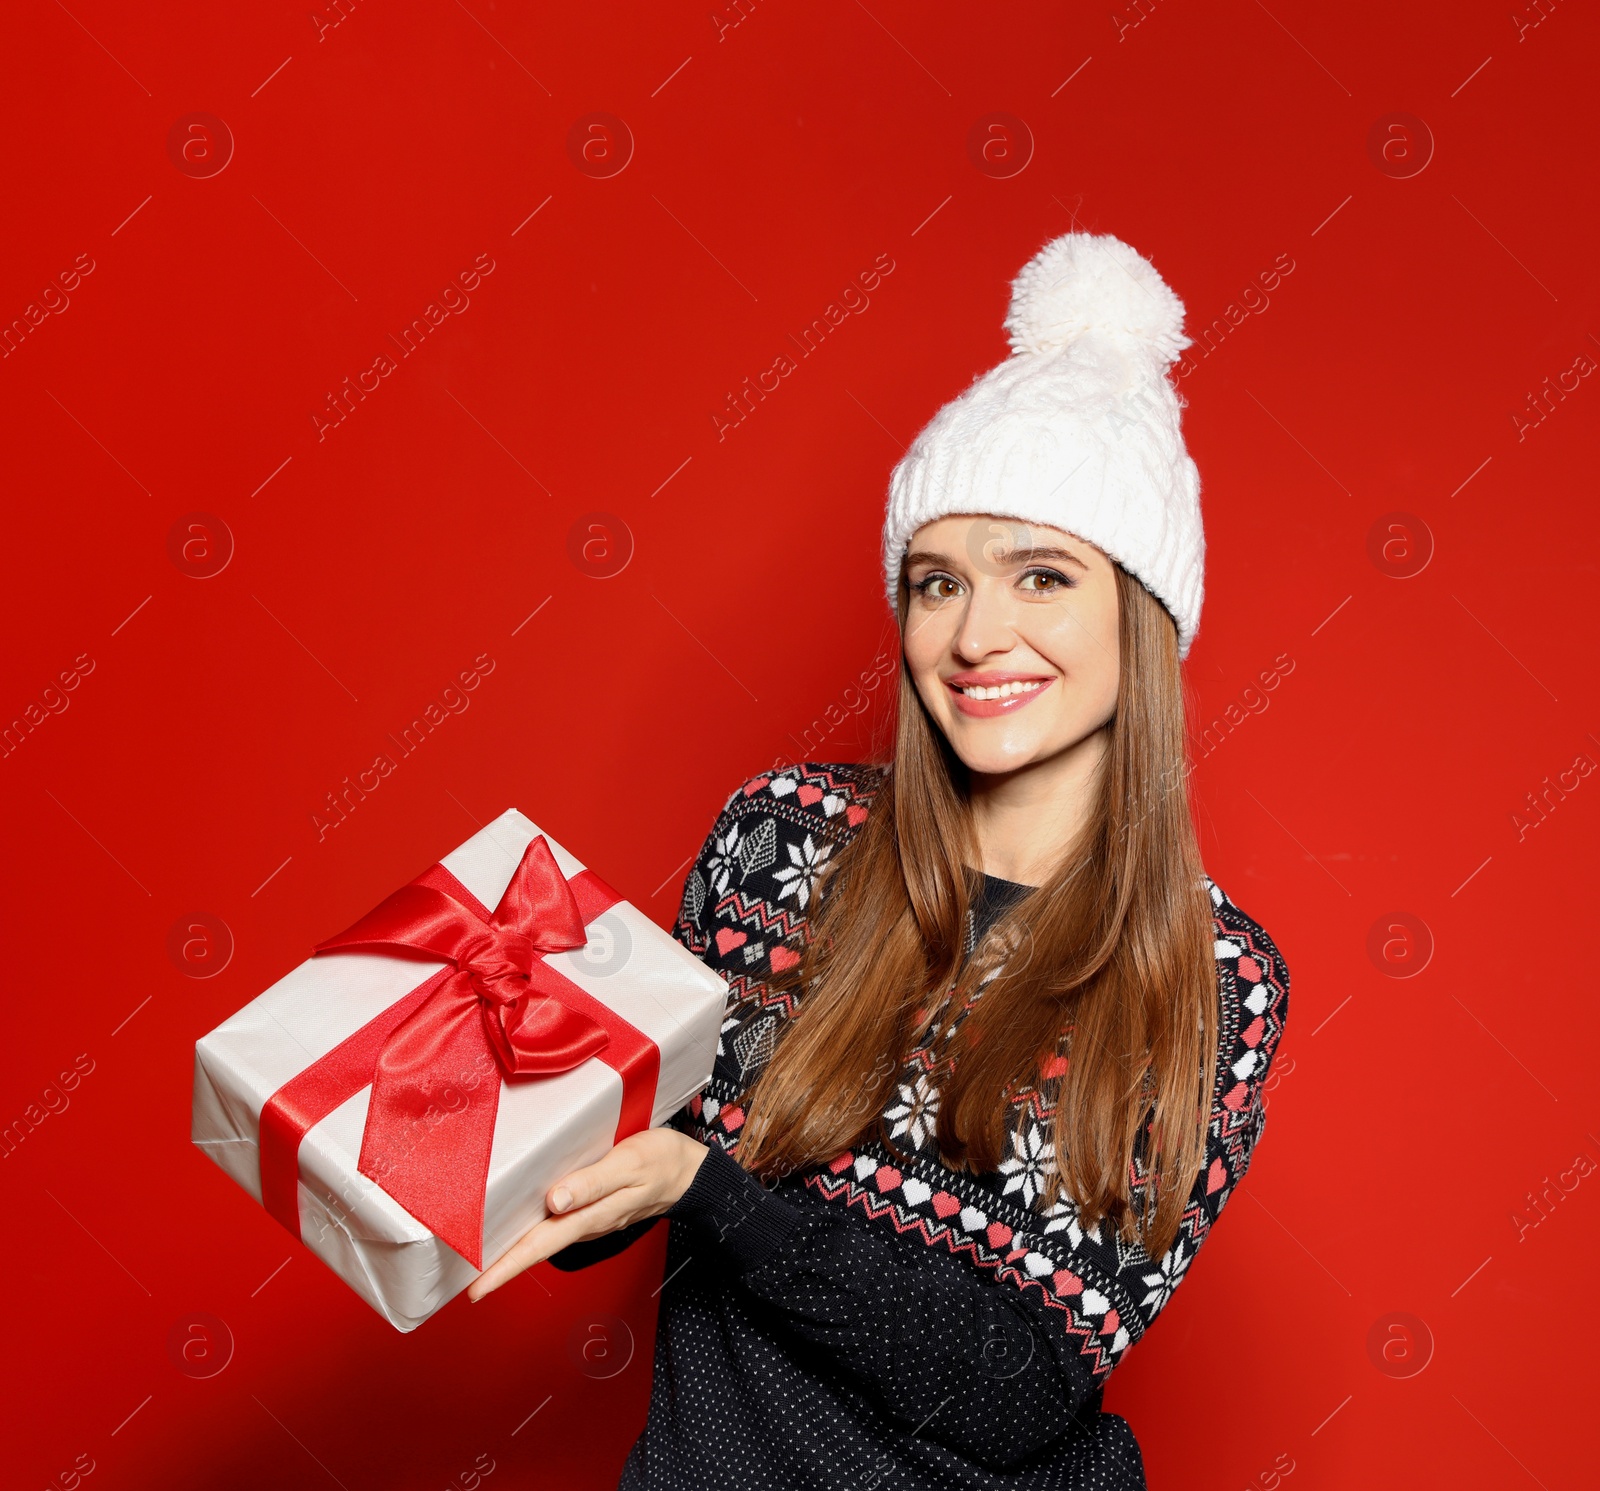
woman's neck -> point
(1025, 818)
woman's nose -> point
(986, 621)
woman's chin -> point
(996, 747)
(989, 752)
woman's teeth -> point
(1001, 691)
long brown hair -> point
(1108, 964)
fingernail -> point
(561, 1199)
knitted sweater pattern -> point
(743, 912)
(1086, 1293)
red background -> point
(773, 160)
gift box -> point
(403, 1099)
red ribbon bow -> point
(435, 1058)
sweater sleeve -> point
(939, 1348)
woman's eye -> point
(1048, 579)
(937, 587)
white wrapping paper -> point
(545, 1127)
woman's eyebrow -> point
(1005, 559)
(1042, 551)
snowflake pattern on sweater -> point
(744, 912)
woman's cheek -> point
(931, 691)
(923, 651)
(1087, 627)
(1066, 644)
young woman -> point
(996, 1044)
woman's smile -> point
(984, 695)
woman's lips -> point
(987, 708)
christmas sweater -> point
(876, 1320)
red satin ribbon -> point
(435, 1057)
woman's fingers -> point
(642, 1176)
(522, 1254)
(613, 1170)
(550, 1236)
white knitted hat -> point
(1078, 428)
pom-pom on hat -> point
(1078, 429)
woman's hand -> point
(641, 1177)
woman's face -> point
(1021, 610)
